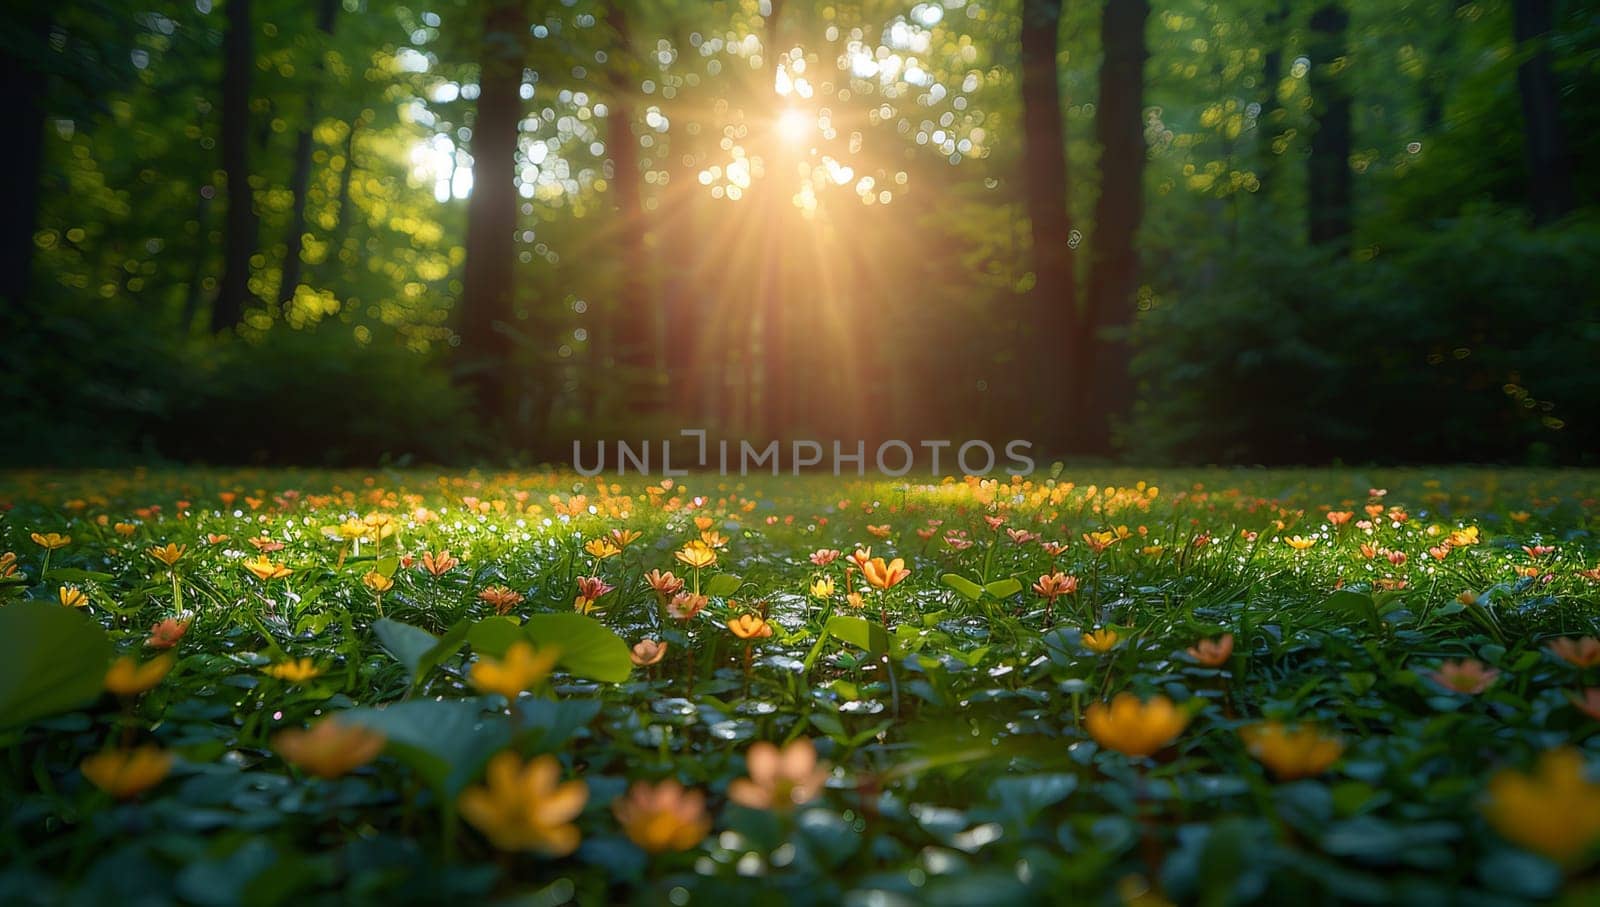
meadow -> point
(1115, 687)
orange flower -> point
(884, 576)
(1213, 653)
(1470, 676)
(749, 626)
(1054, 585)
(663, 817)
(665, 584)
(714, 539)
(1583, 652)
(266, 545)
(522, 668)
(1291, 753)
(501, 598)
(685, 605)
(526, 806)
(1101, 641)
(126, 677)
(438, 564)
(1098, 542)
(124, 773)
(1135, 728)
(822, 557)
(860, 557)
(377, 582)
(602, 548)
(166, 634)
(780, 779)
(647, 652)
(622, 538)
(1340, 517)
(696, 555)
(1589, 703)
(8, 565)
(881, 532)
(265, 570)
(168, 555)
(50, 541)
(330, 748)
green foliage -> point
(52, 659)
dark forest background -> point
(339, 231)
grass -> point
(1381, 731)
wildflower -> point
(749, 626)
(822, 587)
(522, 668)
(169, 554)
(995, 522)
(72, 597)
(501, 598)
(881, 532)
(1301, 543)
(1054, 549)
(1583, 652)
(696, 555)
(1538, 551)
(663, 817)
(855, 600)
(1101, 641)
(213, 538)
(438, 564)
(822, 557)
(622, 538)
(860, 557)
(1469, 676)
(265, 570)
(1554, 812)
(50, 541)
(884, 576)
(125, 773)
(126, 677)
(590, 588)
(330, 748)
(685, 605)
(297, 670)
(957, 542)
(1338, 518)
(1052, 586)
(1589, 703)
(600, 549)
(377, 582)
(1291, 752)
(266, 545)
(126, 530)
(350, 530)
(1098, 542)
(525, 805)
(1213, 653)
(647, 652)
(166, 633)
(1135, 728)
(713, 539)
(1021, 536)
(665, 584)
(8, 565)
(780, 779)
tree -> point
(1328, 168)
(1102, 379)
(632, 333)
(1044, 178)
(301, 179)
(488, 293)
(238, 61)
(1549, 168)
(26, 90)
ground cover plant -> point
(1173, 687)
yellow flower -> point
(780, 779)
(265, 570)
(1554, 812)
(72, 597)
(50, 541)
(522, 668)
(126, 530)
(601, 548)
(377, 582)
(330, 748)
(1301, 543)
(749, 626)
(1135, 728)
(1101, 641)
(297, 671)
(713, 538)
(696, 554)
(1291, 752)
(124, 773)
(169, 554)
(822, 587)
(126, 677)
(349, 530)
(662, 817)
(526, 806)
(622, 538)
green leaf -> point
(587, 648)
(1354, 604)
(494, 635)
(722, 585)
(445, 741)
(447, 646)
(968, 589)
(406, 643)
(859, 632)
(1004, 588)
(548, 723)
(52, 659)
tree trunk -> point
(633, 333)
(301, 179)
(487, 283)
(1044, 176)
(1328, 169)
(25, 89)
(1114, 266)
(238, 61)
(1269, 122)
(1549, 168)
(769, 206)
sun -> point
(794, 126)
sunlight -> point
(794, 126)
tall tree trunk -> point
(1044, 177)
(770, 205)
(1328, 169)
(1549, 168)
(1114, 264)
(301, 180)
(634, 316)
(1269, 123)
(240, 224)
(25, 88)
(487, 282)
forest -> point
(345, 232)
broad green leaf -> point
(1354, 604)
(52, 659)
(406, 643)
(1004, 588)
(587, 648)
(968, 589)
(494, 635)
(447, 646)
(546, 724)
(445, 741)
(859, 632)
(722, 585)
